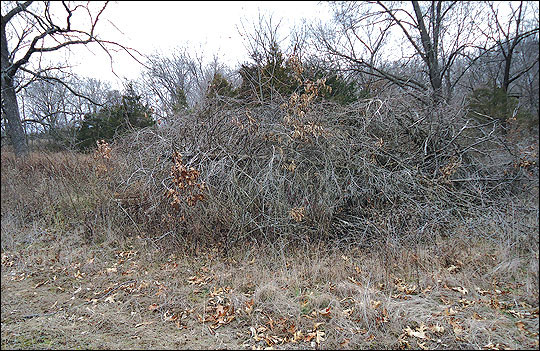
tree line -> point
(482, 53)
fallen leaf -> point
(427, 289)
(521, 326)
(465, 302)
(319, 336)
(249, 306)
(515, 314)
(419, 333)
(317, 325)
(352, 280)
(325, 312)
(461, 290)
(437, 329)
(452, 269)
(345, 342)
(445, 301)
(497, 346)
(220, 310)
(348, 311)
(79, 275)
(482, 292)
(450, 311)
(254, 333)
(153, 307)
(309, 336)
(477, 317)
(458, 329)
(422, 345)
(297, 336)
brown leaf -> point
(348, 311)
(450, 311)
(319, 336)
(375, 304)
(317, 325)
(345, 342)
(458, 329)
(452, 269)
(437, 329)
(422, 345)
(325, 312)
(477, 317)
(461, 290)
(497, 346)
(419, 333)
(521, 326)
(249, 306)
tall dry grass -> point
(63, 191)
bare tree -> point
(168, 78)
(52, 111)
(29, 32)
(369, 35)
(178, 80)
(507, 34)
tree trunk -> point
(507, 67)
(430, 55)
(10, 107)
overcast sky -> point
(211, 27)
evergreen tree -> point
(268, 80)
(130, 113)
(495, 102)
(220, 86)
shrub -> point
(309, 170)
(130, 113)
(494, 102)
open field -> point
(94, 284)
(469, 294)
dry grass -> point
(346, 238)
(476, 292)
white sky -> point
(210, 27)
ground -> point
(59, 292)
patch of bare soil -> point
(132, 296)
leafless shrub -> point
(375, 170)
